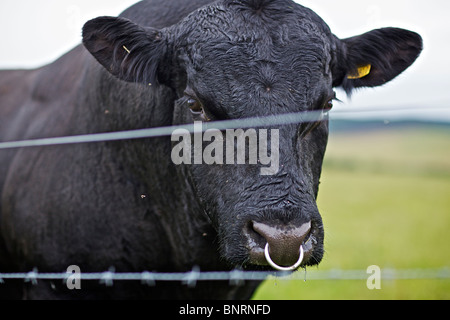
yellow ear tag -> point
(361, 72)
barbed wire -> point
(273, 120)
(234, 277)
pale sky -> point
(34, 33)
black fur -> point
(125, 204)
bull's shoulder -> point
(14, 86)
(39, 96)
(13, 80)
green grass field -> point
(385, 200)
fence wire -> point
(234, 277)
(255, 122)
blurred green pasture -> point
(385, 200)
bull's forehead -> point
(273, 78)
(277, 22)
(278, 56)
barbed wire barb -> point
(108, 277)
(192, 277)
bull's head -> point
(240, 59)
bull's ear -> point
(374, 58)
(128, 51)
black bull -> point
(126, 204)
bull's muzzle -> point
(283, 247)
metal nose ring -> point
(279, 268)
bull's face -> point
(243, 59)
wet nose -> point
(283, 242)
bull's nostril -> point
(283, 241)
(255, 240)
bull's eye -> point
(197, 109)
(194, 105)
(329, 105)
